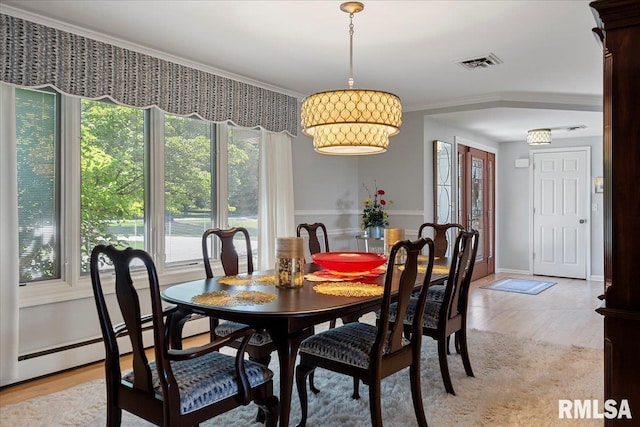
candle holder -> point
(290, 262)
(391, 236)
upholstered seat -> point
(435, 297)
(350, 344)
(201, 387)
(228, 327)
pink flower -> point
(382, 202)
(381, 192)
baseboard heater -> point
(83, 343)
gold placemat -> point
(227, 298)
(349, 289)
(440, 269)
(437, 269)
(242, 280)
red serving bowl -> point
(349, 262)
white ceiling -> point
(551, 75)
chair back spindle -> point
(228, 254)
(440, 235)
(314, 241)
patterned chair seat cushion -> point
(435, 296)
(349, 344)
(227, 327)
(207, 379)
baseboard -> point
(52, 363)
(598, 278)
(507, 270)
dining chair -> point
(441, 235)
(446, 309)
(179, 387)
(312, 232)
(372, 352)
(314, 247)
(314, 243)
(260, 345)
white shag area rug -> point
(517, 382)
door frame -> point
(587, 201)
(458, 140)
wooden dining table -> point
(286, 318)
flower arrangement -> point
(374, 214)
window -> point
(242, 177)
(93, 172)
(112, 177)
(38, 185)
(189, 195)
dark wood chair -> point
(373, 352)
(446, 308)
(260, 345)
(314, 241)
(315, 247)
(180, 387)
(441, 236)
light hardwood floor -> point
(563, 314)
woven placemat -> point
(349, 289)
(437, 269)
(247, 279)
(227, 298)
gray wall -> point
(333, 186)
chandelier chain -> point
(351, 51)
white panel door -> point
(560, 229)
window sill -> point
(50, 292)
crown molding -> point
(534, 100)
(59, 25)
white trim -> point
(531, 100)
(469, 143)
(331, 212)
(512, 271)
(587, 246)
(155, 194)
(597, 278)
(43, 20)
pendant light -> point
(351, 121)
(539, 137)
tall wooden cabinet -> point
(618, 27)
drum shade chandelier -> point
(351, 121)
(539, 137)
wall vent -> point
(480, 62)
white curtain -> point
(9, 263)
(275, 194)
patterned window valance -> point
(35, 55)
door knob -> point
(582, 221)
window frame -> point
(72, 284)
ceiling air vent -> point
(481, 62)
